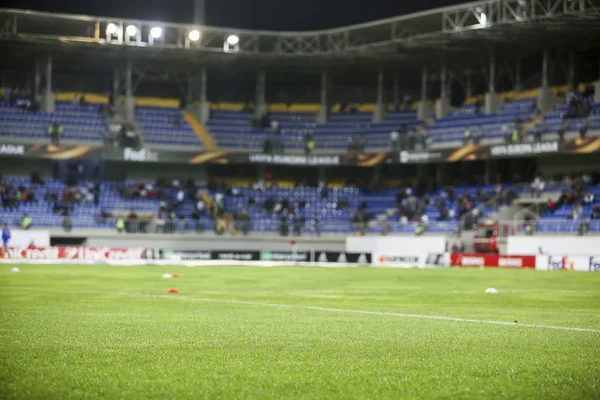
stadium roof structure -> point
(474, 30)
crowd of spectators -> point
(11, 195)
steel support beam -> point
(49, 75)
(492, 75)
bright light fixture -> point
(111, 29)
(156, 32)
(233, 40)
(194, 35)
(483, 19)
(131, 30)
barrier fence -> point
(66, 254)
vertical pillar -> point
(379, 111)
(424, 108)
(490, 172)
(323, 113)
(260, 107)
(468, 84)
(116, 87)
(518, 84)
(546, 99)
(571, 72)
(48, 98)
(492, 80)
(129, 100)
(204, 104)
(492, 100)
(442, 107)
(545, 68)
(37, 81)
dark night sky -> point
(249, 14)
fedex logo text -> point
(560, 263)
(594, 264)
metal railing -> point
(148, 225)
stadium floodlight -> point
(194, 35)
(111, 29)
(131, 30)
(233, 40)
(156, 32)
(483, 18)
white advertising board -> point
(396, 244)
(23, 238)
(573, 245)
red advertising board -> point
(491, 260)
(71, 253)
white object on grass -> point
(167, 276)
(15, 269)
(491, 291)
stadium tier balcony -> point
(554, 121)
(449, 131)
(166, 127)
(232, 129)
(81, 123)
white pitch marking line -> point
(365, 312)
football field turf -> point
(70, 332)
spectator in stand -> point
(583, 229)
(120, 225)
(506, 134)
(563, 129)
(55, 131)
(576, 212)
(26, 222)
(181, 223)
(588, 198)
(180, 196)
(395, 140)
(537, 186)
(479, 136)
(468, 137)
(596, 212)
(309, 144)
(200, 206)
(551, 205)
(159, 222)
(584, 128)
(132, 222)
(421, 228)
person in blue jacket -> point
(5, 236)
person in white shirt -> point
(425, 219)
(537, 186)
(200, 206)
(394, 136)
(180, 196)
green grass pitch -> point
(73, 332)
